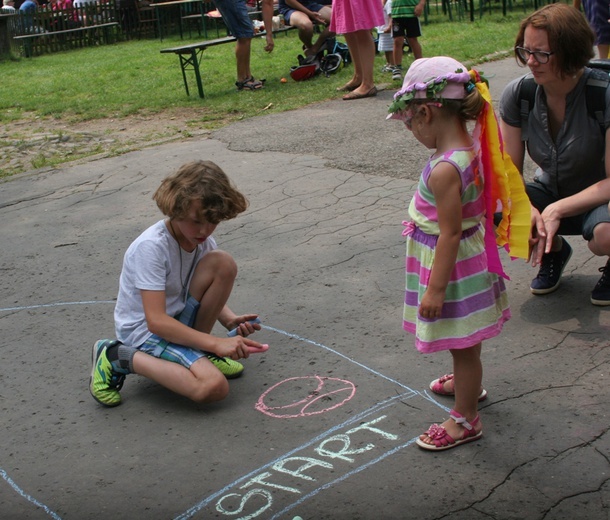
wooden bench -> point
(60, 40)
(190, 56)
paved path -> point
(322, 425)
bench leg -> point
(191, 59)
(197, 73)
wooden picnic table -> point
(162, 14)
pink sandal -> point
(443, 441)
(437, 386)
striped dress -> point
(476, 305)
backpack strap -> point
(597, 84)
(527, 97)
(595, 95)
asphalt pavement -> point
(322, 425)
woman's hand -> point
(551, 218)
(538, 238)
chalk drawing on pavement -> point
(314, 395)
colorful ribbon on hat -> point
(503, 187)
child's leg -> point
(389, 57)
(211, 285)
(415, 47)
(398, 49)
(467, 378)
(202, 383)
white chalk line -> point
(29, 498)
(56, 304)
(311, 494)
(193, 510)
(355, 418)
(378, 406)
(353, 361)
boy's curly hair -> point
(202, 181)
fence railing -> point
(49, 29)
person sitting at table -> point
(235, 16)
(303, 15)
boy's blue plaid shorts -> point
(163, 349)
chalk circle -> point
(304, 396)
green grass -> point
(133, 76)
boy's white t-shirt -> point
(152, 262)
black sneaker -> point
(551, 267)
(601, 294)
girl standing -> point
(454, 300)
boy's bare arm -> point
(170, 329)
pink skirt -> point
(355, 15)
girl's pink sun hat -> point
(435, 78)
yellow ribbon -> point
(503, 183)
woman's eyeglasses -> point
(541, 57)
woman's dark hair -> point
(571, 38)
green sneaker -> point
(231, 369)
(104, 383)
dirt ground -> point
(33, 142)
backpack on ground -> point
(595, 95)
(324, 62)
(335, 47)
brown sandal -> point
(250, 84)
(347, 88)
(356, 95)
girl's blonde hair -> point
(467, 109)
(202, 181)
